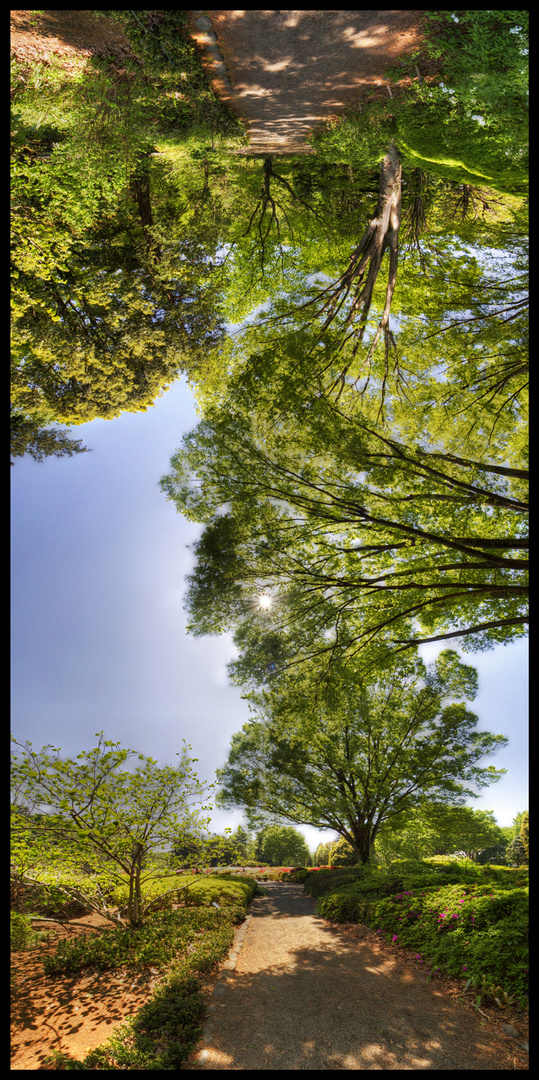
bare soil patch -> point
(69, 1013)
(70, 36)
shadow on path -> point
(308, 995)
(289, 71)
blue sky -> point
(99, 559)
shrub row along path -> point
(286, 72)
(309, 994)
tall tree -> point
(354, 289)
(346, 755)
(341, 853)
(110, 331)
(524, 833)
(112, 297)
(321, 855)
(515, 853)
(282, 845)
(27, 437)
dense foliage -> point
(111, 291)
(184, 946)
(362, 457)
(457, 917)
(359, 472)
(341, 753)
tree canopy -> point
(367, 471)
(438, 829)
(354, 327)
(282, 845)
(346, 754)
(356, 537)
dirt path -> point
(307, 994)
(285, 72)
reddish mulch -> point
(71, 36)
(69, 1013)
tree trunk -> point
(140, 191)
(134, 906)
(364, 842)
(356, 284)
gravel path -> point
(285, 72)
(308, 994)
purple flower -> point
(395, 936)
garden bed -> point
(70, 1013)
(85, 981)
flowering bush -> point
(476, 928)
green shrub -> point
(472, 127)
(164, 933)
(21, 931)
(196, 890)
(321, 882)
(342, 853)
(467, 919)
(44, 899)
(165, 1032)
(357, 139)
(161, 1036)
(156, 943)
(178, 88)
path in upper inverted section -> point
(286, 72)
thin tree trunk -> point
(135, 895)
